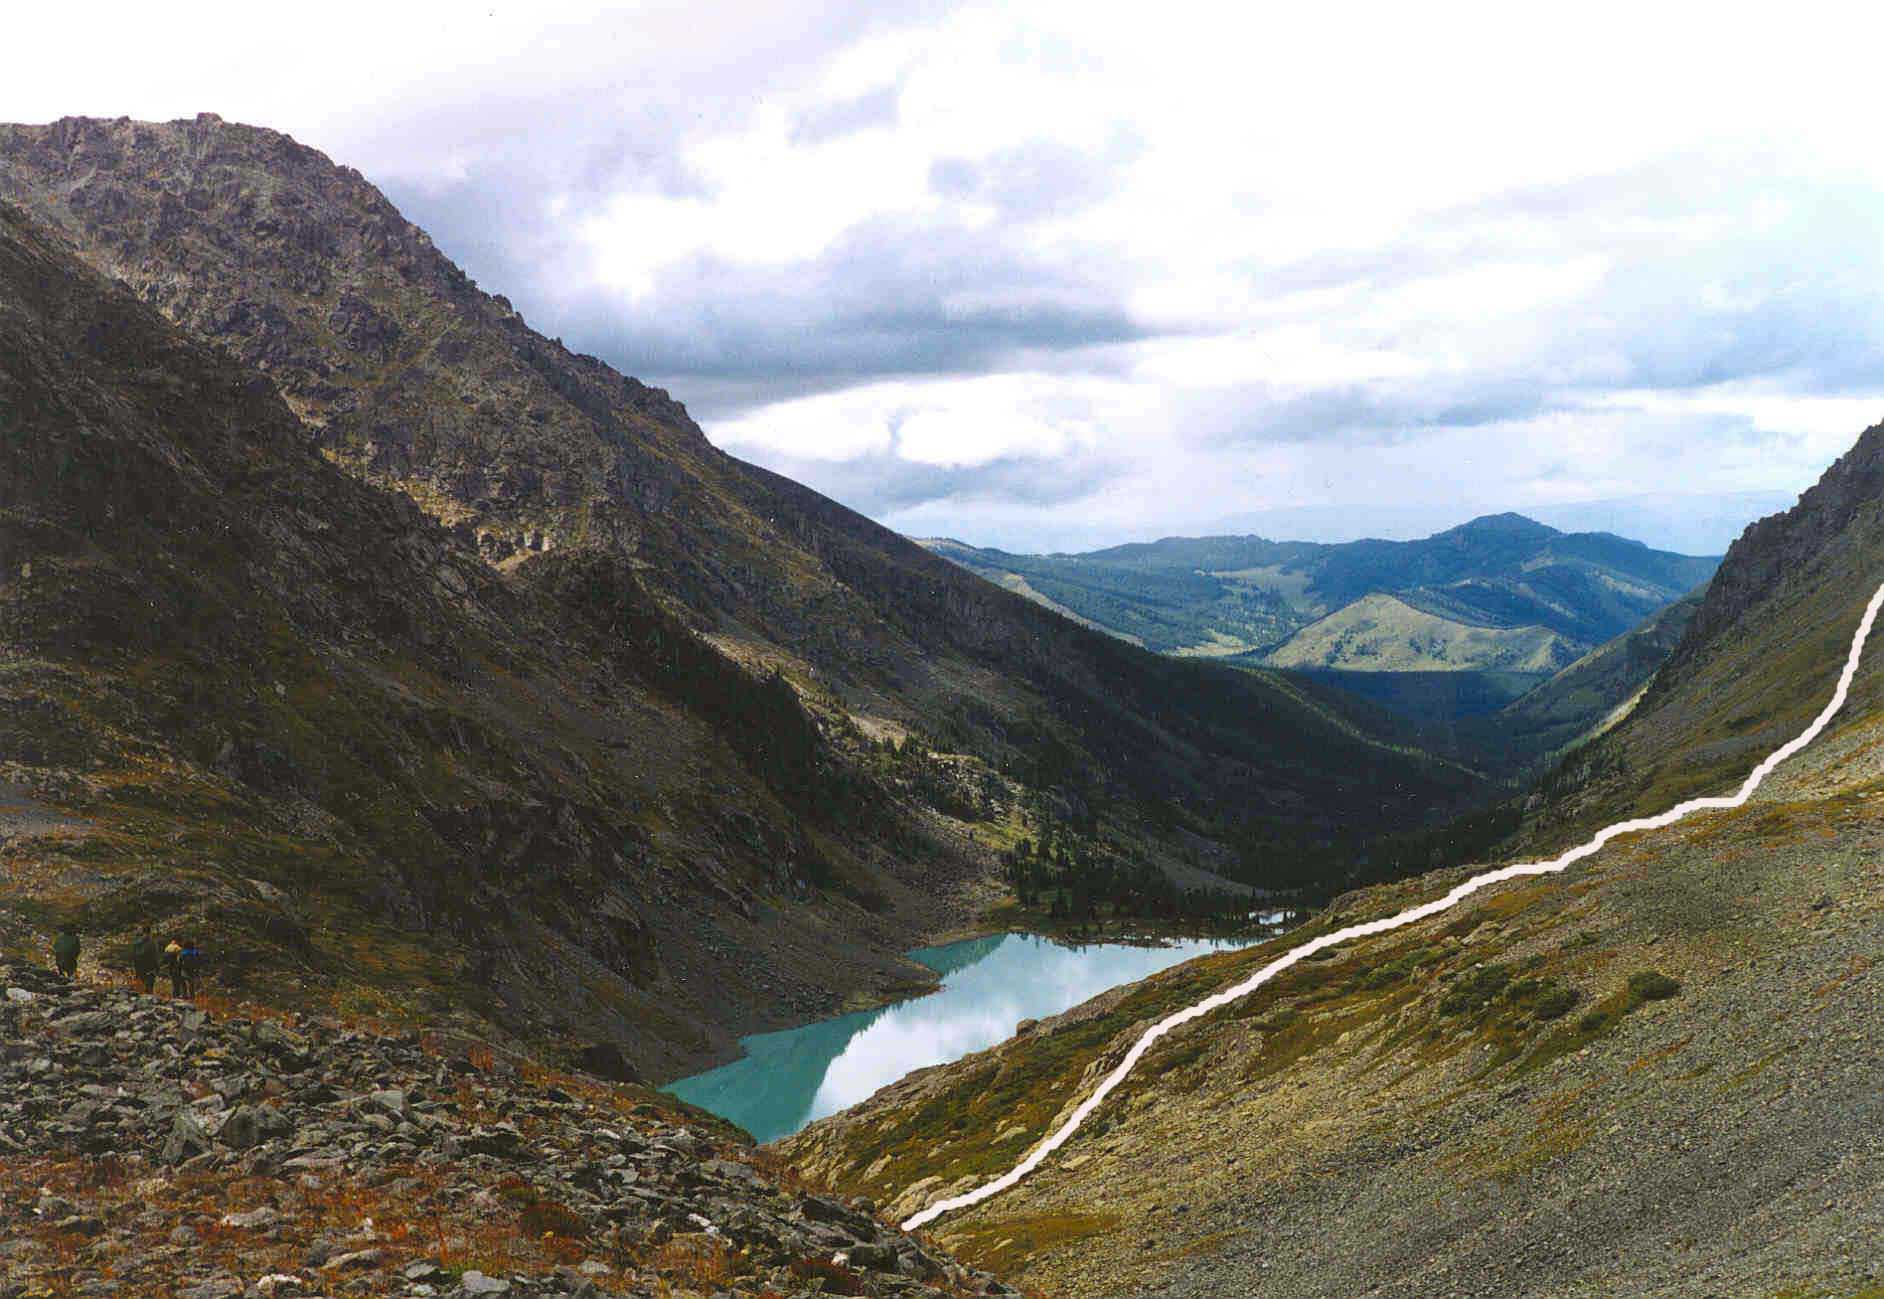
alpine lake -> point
(790, 1078)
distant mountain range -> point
(1502, 598)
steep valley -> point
(511, 747)
(530, 706)
(1654, 1075)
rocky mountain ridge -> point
(410, 377)
(245, 695)
(1763, 644)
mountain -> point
(1385, 633)
(248, 696)
(1589, 696)
(587, 726)
(1761, 651)
(1466, 714)
(1501, 597)
(1653, 1075)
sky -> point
(1062, 275)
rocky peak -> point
(1770, 547)
(411, 375)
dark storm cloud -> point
(892, 297)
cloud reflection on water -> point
(790, 1078)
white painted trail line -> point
(1433, 908)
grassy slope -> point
(1702, 1144)
(1519, 724)
(1381, 633)
(1278, 1144)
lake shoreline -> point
(983, 988)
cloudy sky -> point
(1060, 275)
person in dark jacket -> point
(192, 965)
(65, 952)
(144, 960)
(173, 966)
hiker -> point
(65, 952)
(173, 966)
(144, 962)
(192, 963)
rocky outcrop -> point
(1850, 492)
(1759, 657)
(407, 372)
(148, 1147)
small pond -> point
(789, 1078)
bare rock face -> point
(1758, 659)
(412, 376)
(1851, 491)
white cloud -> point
(1234, 260)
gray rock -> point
(391, 1100)
(874, 1258)
(734, 1171)
(242, 1130)
(231, 1100)
(359, 1258)
(254, 1220)
(215, 1288)
(188, 1138)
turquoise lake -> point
(789, 1078)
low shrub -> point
(1652, 985)
(837, 1278)
(1555, 1002)
(1382, 977)
(548, 1218)
(517, 1191)
(1475, 991)
(1545, 998)
(1393, 971)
